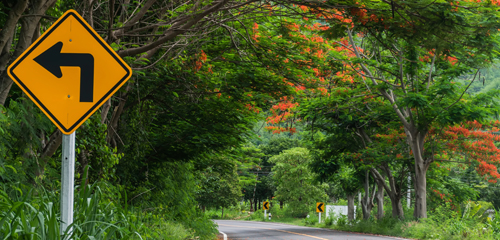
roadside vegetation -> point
(470, 222)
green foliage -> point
(311, 219)
(295, 181)
(446, 186)
(220, 187)
(247, 158)
(333, 164)
(328, 221)
(494, 223)
(444, 223)
(22, 123)
(277, 145)
(170, 189)
(35, 215)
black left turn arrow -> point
(266, 205)
(52, 60)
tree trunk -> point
(26, 37)
(366, 203)
(281, 204)
(49, 149)
(420, 191)
(222, 213)
(350, 206)
(104, 110)
(397, 207)
(421, 166)
(6, 37)
(380, 200)
(251, 206)
(393, 190)
(9, 27)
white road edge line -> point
(225, 236)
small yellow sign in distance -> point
(265, 205)
(320, 207)
(69, 72)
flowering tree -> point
(405, 54)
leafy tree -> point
(333, 164)
(265, 187)
(295, 181)
(218, 189)
(399, 50)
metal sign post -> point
(67, 183)
(320, 207)
(265, 214)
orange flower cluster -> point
(438, 193)
(256, 32)
(252, 108)
(282, 112)
(452, 60)
(361, 14)
(477, 141)
(444, 197)
(199, 63)
(278, 130)
(393, 136)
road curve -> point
(247, 230)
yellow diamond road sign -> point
(69, 72)
(320, 207)
(265, 205)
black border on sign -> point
(85, 115)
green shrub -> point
(341, 221)
(340, 202)
(257, 215)
(311, 219)
(36, 217)
(329, 221)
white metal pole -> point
(265, 214)
(408, 194)
(359, 198)
(319, 217)
(67, 183)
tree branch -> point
(175, 30)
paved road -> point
(243, 230)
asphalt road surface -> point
(243, 230)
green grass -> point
(36, 217)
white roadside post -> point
(265, 214)
(67, 183)
(319, 217)
(408, 194)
